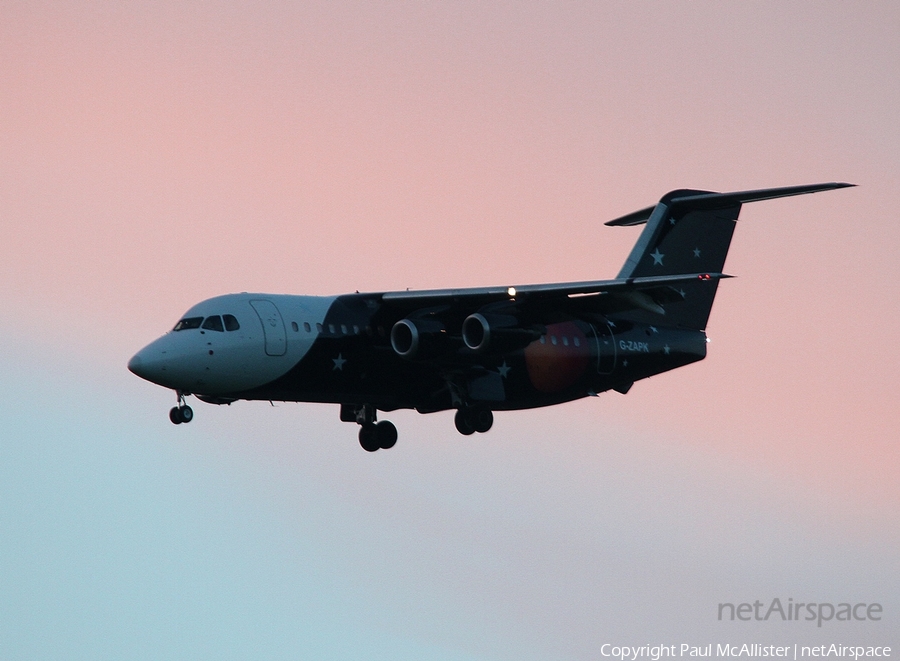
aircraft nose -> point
(149, 364)
(137, 366)
(166, 364)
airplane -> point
(475, 350)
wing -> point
(599, 296)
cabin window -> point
(355, 329)
(543, 339)
(332, 329)
(565, 341)
(188, 323)
(306, 326)
(553, 340)
(231, 322)
(295, 327)
(343, 329)
(214, 324)
(576, 341)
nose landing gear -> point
(179, 414)
(182, 412)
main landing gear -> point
(378, 436)
(182, 412)
(373, 435)
(471, 420)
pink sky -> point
(153, 157)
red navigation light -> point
(704, 276)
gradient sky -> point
(151, 157)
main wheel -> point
(482, 420)
(175, 415)
(386, 433)
(464, 423)
(186, 413)
(368, 438)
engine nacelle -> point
(496, 333)
(418, 338)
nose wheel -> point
(181, 413)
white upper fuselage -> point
(272, 333)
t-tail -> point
(689, 231)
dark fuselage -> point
(339, 350)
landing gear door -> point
(606, 348)
(273, 327)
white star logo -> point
(625, 363)
(338, 363)
(672, 221)
(666, 349)
(657, 257)
(504, 369)
(696, 252)
(683, 294)
(653, 328)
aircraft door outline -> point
(606, 348)
(273, 327)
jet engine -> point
(493, 332)
(418, 338)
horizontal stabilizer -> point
(636, 218)
(725, 200)
(689, 231)
(707, 201)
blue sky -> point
(266, 533)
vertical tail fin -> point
(689, 231)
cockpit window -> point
(214, 324)
(188, 323)
(231, 323)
